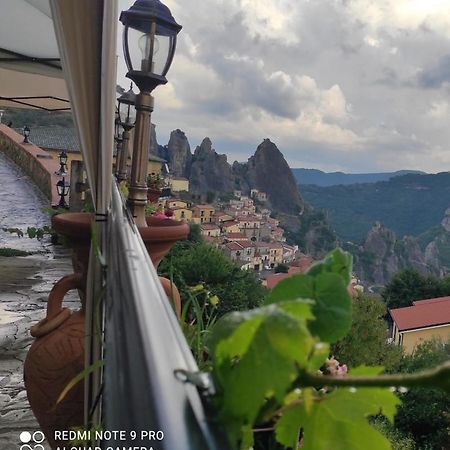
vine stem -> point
(437, 377)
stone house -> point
(249, 225)
(175, 203)
(182, 213)
(178, 184)
(202, 213)
(231, 226)
(210, 229)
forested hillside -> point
(409, 205)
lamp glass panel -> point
(139, 48)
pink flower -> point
(160, 215)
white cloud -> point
(438, 110)
(317, 77)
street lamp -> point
(149, 26)
(26, 133)
(62, 163)
(126, 116)
(63, 189)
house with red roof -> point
(423, 321)
(210, 229)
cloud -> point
(436, 76)
(354, 84)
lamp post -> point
(126, 116)
(150, 25)
(62, 163)
(26, 133)
(63, 189)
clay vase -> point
(54, 359)
(160, 235)
(57, 354)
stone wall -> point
(38, 164)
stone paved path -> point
(24, 286)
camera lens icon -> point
(31, 441)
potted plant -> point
(154, 182)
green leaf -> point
(338, 421)
(77, 378)
(247, 438)
(319, 354)
(326, 284)
(256, 357)
(338, 262)
(229, 335)
(366, 370)
(292, 288)
(333, 308)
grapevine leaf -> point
(247, 437)
(293, 288)
(319, 354)
(366, 370)
(237, 330)
(258, 358)
(333, 308)
(338, 421)
(338, 262)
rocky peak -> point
(205, 148)
(178, 154)
(268, 171)
(210, 171)
(446, 220)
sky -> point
(351, 85)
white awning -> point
(30, 67)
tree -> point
(365, 343)
(409, 285)
(210, 196)
(282, 268)
(191, 262)
(424, 413)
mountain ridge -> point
(325, 179)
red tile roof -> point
(235, 236)
(233, 246)
(204, 207)
(230, 223)
(422, 314)
(273, 280)
(209, 226)
(431, 300)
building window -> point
(182, 214)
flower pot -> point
(153, 194)
(160, 235)
(54, 359)
(57, 354)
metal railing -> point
(144, 350)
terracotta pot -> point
(54, 359)
(173, 293)
(57, 355)
(153, 194)
(161, 235)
